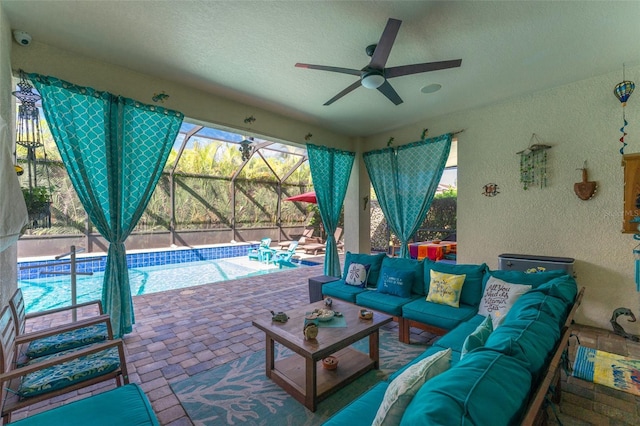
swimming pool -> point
(147, 274)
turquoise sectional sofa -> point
(496, 380)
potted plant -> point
(38, 200)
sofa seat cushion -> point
(373, 260)
(67, 340)
(531, 341)
(454, 339)
(472, 287)
(68, 373)
(437, 315)
(387, 303)
(467, 393)
(341, 290)
(125, 405)
(362, 410)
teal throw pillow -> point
(478, 337)
(403, 388)
(397, 282)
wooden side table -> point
(315, 286)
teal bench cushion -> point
(530, 341)
(463, 395)
(387, 303)
(437, 315)
(125, 405)
(374, 260)
(362, 410)
(68, 373)
(67, 340)
(455, 338)
(473, 282)
(521, 277)
(339, 289)
(455, 357)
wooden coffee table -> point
(302, 375)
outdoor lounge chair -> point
(314, 248)
(261, 252)
(57, 374)
(283, 257)
(306, 238)
(56, 339)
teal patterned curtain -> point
(114, 150)
(330, 171)
(405, 180)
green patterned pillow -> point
(70, 372)
(403, 388)
(67, 340)
(478, 337)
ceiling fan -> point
(375, 75)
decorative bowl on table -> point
(324, 314)
(330, 362)
(365, 314)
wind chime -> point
(623, 91)
(533, 164)
(29, 135)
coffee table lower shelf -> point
(290, 374)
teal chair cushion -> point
(68, 373)
(438, 315)
(340, 290)
(374, 260)
(387, 303)
(362, 410)
(460, 395)
(521, 277)
(455, 338)
(473, 282)
(125, 405)
(67, 340)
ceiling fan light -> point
(373, 80)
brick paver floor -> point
(180, 333)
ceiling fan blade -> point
(390, 93)
(418, 68)
(332, 69)
(349, 89)
(383, 49)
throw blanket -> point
(615, 371)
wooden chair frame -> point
(11, 377)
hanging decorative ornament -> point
(623, 91)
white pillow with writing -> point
(498, 298)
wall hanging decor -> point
(623, 91)
(533, 164)
(585, 190)
(159, 97)
(490, 190)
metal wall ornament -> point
(159, 97)
(533, 164)
(490, 190)
(623, 91)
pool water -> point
(54, 291)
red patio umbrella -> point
(307, 197)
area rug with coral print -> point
(239, 392)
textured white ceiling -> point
(246, 50)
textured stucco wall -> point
(582, 121)
(8, 267)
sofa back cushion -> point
(472, 287)
(528, 278)
(374, 260)
(411, 265)
(460, 395)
